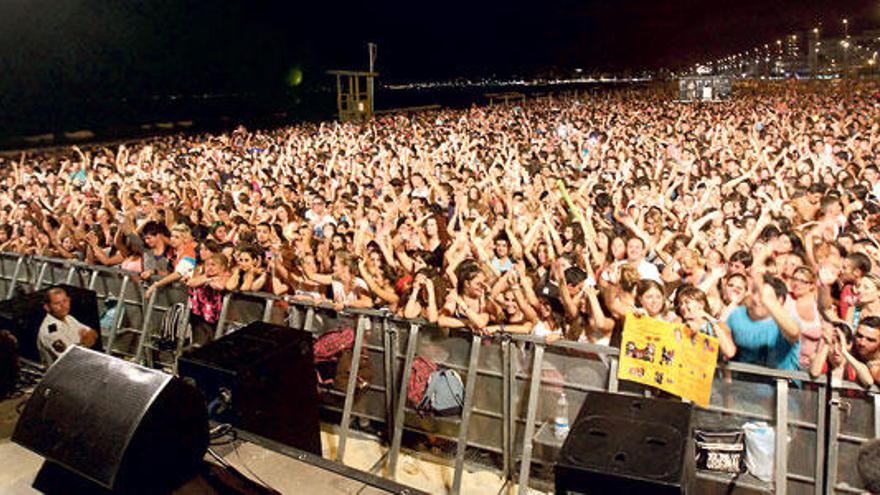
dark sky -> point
(53, 51)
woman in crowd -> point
(248, 274)
(206, 288)
(692, 309)
(867, 302)
(803, 305)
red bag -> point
(329, 345)
(422, 368)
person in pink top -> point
(803, 306)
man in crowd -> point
(867, 344)
(763, 331)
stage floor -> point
(19, 466)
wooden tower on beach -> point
(353, 100)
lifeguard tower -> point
(354, 94)
(354, 101)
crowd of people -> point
(754, 220)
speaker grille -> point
(85, 411)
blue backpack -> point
(444, 395)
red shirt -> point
(847, 299)
(849, 373)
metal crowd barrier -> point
(512, 384)
(854, 418)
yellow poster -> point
(668, 356)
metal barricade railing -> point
(481, 425)
(8, 262)
(511, 384)
(854, 418)
(112, 287)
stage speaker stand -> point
(624, 444)
(106, 425)
(261, 379)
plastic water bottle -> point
(560, 424)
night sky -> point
(53, 52)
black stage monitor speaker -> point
(126, 428)
(23, 314)
(261, 379)
(623, 444)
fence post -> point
(351, 389)
(821, 426)
(389, 343)
(781, 460)
(471, 384)
(612, 374)
(117, 319)
(15, 273)
(534, 385)
(400, 409)
(145, 328)
(93, 279)
(833, 440)
(221, 320)
(877, 415)
(267, 310)
(309, 325)
(181, 334)
(71, 271)
(38, 284)
(294, 317)
(507, 406)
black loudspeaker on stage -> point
(623, 444)
(261, 379)
(122, 427)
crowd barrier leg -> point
(507, 412)
(93, 280)
(833, 441)
(309, 323)
(41, 275)
(294, 317)
(187, 312)
(120, 310)
(781, 455)
(389, 340)
(224, 313)
(144, 336)
(535, 383)
(818, 487)
(399, 411)
(461, 448)
(351, 388)
(267, 310)
(15, 274)
(70, 274)
(876, 415)
(612, 375)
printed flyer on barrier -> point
(668, 356)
